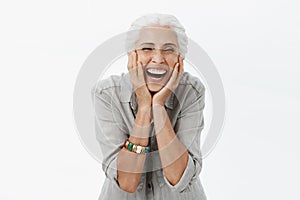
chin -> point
(153, 88)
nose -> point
(157, 56)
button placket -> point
(149, 185)
(160, 178)
(141, 184)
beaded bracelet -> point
(136, 148)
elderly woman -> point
(149, 120)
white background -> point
(254, 44)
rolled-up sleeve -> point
(188, 128)
(110, 133)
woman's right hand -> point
(137, 79)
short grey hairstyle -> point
(161, 20)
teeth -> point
(157, 71)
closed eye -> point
(169, 50)
(147, 49)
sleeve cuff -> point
(185, 178)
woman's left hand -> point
(161, 96)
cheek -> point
(143, 59)
(171, 62)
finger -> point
(140, 71)
(134, 58)
(180, 71)
(180, 65)
(173, 76)
(132, 69)
(176, 76)
(129, 64)
(176, 69)
(134, 62)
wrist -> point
(138, 141)
(144, 109)
(143, 116)
(158, 102)
(145, 105)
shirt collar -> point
(128, 95)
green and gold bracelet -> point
(136, 148)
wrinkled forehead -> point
(157, 35)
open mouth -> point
(156, 73)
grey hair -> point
(161, 20)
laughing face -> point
(157, 50)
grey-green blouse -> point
(115, 107)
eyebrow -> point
(166, 44)
(147, 43)
(172, 44)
